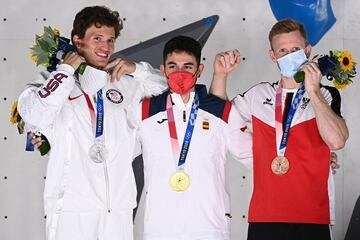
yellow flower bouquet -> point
(50, 48)
(15, 118)
(338, 67)
(48, 51)
(341, 75)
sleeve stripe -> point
(226, 112)
(145, 109)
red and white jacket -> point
(300, 195)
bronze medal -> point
(179, 181)
(280, 165)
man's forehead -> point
(180, 58)
(101, 31)
(284, 40)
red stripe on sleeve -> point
(226, 112)
(145, 108)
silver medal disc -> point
(98, 153)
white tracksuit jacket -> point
(74, 183)
(202, 211)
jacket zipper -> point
(106, 174)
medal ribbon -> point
(188, 133)
(282, 135)
(97, 124)
(97, 121)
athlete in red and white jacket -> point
(301, 195)
(295, 125)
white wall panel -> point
(243, 25)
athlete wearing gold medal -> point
(181, 82)
(186, 135)
(179, 181)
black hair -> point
(180, 44)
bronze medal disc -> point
(179, 181)
(280, 165)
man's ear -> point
(200, 69)
(162, 68)
(272, 56)
(76, 41)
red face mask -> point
(181, 82)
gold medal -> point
(280, 165)
(179, 181)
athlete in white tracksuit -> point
(85, 199)
(202, 212)
(185, 135)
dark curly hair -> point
(98, 16)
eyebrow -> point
(186, 64)
(100, 35)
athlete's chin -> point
(99, 63)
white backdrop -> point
(243, 24)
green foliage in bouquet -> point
(338, 67)
(45, 46)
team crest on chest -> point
(305, 102)
(114, 96)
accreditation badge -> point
(280, 165)
(179, 181)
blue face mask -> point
(290, 63)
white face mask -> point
(290, 63)
(92, 80)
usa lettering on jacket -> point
(52, 85)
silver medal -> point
(98, 153)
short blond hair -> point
(286, 26)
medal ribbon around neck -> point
(188, 133)
(98, 152)
(282, 135)
(97, 121)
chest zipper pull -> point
(184, 116)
